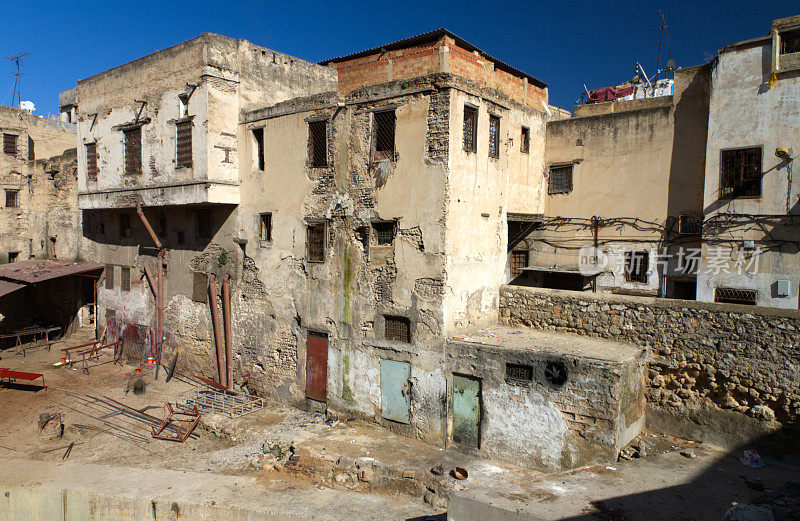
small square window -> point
(560, 181)
(790, 42)
(519, 373)
(384, 135)
(494, 136)
(12, 198)
(397, 328)
(525, 140)
(636, 266)
(315, 242)
(318, 143)
(740, 172)
(125, 278)
(203, 224)
(10, 144)
(265, 226)
(470, 128)
(519, 261)
(383, 232)
(124, 225)
(13, 256)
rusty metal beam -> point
(226, 316)
(212, 290)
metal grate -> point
(91, 161)
(315, 242)
(470, 128)
(10, 144)
(133, 151)
(265, 226)
(203, 224)
(790, 42)
(384, 135)
(494, 136)
(183, 157)
(560, 181)
(689, 224)
(636, 266)
(740, 172)
(200, 287)
(519, 260)
(12, 198)
(125, 278)
(525, 140)
(109, 272)
(318, 137)
(397, 328)
(383, 232)
(735, 296)
(229, 403)
(519, 372)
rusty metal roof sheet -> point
(7, 287)
(32, 271)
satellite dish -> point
(671, 66)
(27, 105)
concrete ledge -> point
(463, 508)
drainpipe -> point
(212, 290)
(226, 316)
(595, 226)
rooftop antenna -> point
(17, 79)
(664, 35)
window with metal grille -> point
(470, 128)
(203, 224)
(519, 373)
(199, 287)
(183, 148)
(109, 273)
(31, 149)
(384, 135)
(124, 225)
(10, 144)
(91, 161)
(265, 226)
(740, 172)
(735, 296)
(790, 42)
(519, 260)
(318, 137)
(258, 136)
(315, 242)
(133, 151)
(383, 232)
(636, 266)
(397, 328)
(125, 278)
(525, 140)
(12, 198)
(560, 181)
(494, 136)
(689, 224)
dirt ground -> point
(287, 452)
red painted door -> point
(317, 366)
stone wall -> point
(719, 372)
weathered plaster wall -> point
(721, 373)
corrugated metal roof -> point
(433, 36)
(6, 287)
(31, 271)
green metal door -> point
(395, 390)
(466, 410)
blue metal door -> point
(466, 410)
(395, 390)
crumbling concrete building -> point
(39, 217)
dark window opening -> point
(525, 140)
(133, 151)
(181, 237)
(735, 296)
(519, 261)
(13, 256)
(684, 289)
(258, 135)
(519, 373)
(494, 136)
(790, 42)
(383, 232)
(560, 181)
(12, 198)
(109, 273)
(10, 144)
(470, 128)
(203, 224)
(315, 242)
(125, 278)
(31, 149)
(318, 135)
(384, 135)
(740, 172)
(689, 224)
(199, 287)
(91, 161)
(636, 266)
(265, 226)
(397, 328)
(183, 152)
(124, 225)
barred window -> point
(560, 181)
(397, 328)
(124, 225)
(12, 198)
(740, 172)
(10, 144)
(519, 373)
(470, 128)
(519, 261)
(636, 266)
(494, 136)
(183, 152)
(790, 42)
(384, 135)
(203, 224)
(109, 272)
(125, 278)
(525, 140)
(91, 161)
(383, 232)
(265, 226)
(133, 151)
(315, 242)
(735, 296)
(318, 137)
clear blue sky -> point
(564, 43)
